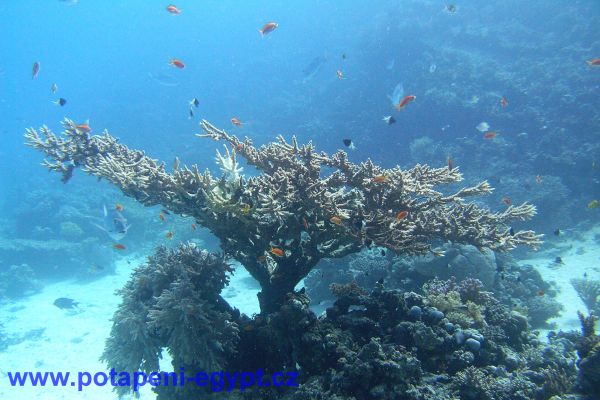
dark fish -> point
(348, 143)
(195, 102)
(166, 212)
(65, 303)
(114, 224)
(343, 56)
(450, 8)
(511, 231)
(368, 243)
(60, 102)
(557, 232)
(382, 253)
(380, 281)
(558, 260)
(389, 120)
(68, 173)
(191, 113)
(35, 70)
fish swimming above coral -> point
(114, 223)
(297, 189)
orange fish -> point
(401, 215)
(119, 207)
(173, 9)
(119, 246)
(404, 102)
(268, 28)
(261, 258)
(236, 121)
(162, 216)
(594, 62)
(507, 200)
(450, 164)
(538, 179)
(276, 251)
(336, 220)
(239, 147)
(490, 135)
(193, 226)
(169, 235)
(85, 128)
(339, 74)
(177, 63)
(380, 179)
(503, 102)
(35, 70)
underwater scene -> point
(300, 200)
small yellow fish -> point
(592, 204)
(245, 209)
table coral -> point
(303, 206)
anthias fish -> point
(177, 63)
(405, 101)
(268, 28)
(173, 9)
(595, 62)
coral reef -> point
(379, 344)
(589, 292)
(519, 287)
(418, 351)
(588, 349)
(17, 281)
(173, 302)
(459, 262)
(304, 206)
(70, 230)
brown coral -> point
(290, 205)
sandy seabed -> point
(73, 340)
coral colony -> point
(260, 220)
(454, 340)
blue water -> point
(110, 61)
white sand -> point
(580, 254)
(74, 341)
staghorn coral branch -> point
(293, 205)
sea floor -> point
(51, 339)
